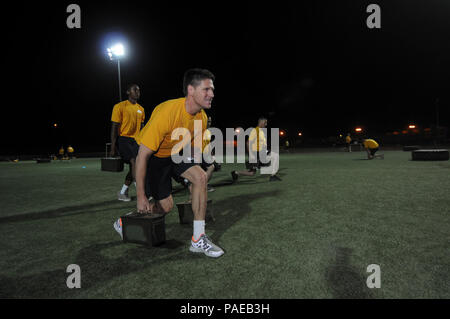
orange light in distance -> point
(358, 129)
(281, 133)
(55, 125)
(412, 126)
(300, 134)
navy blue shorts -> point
(158, 180)
(128, 148)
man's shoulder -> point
(120, 104)
(167, 108)
(252, 133)
(170, 104)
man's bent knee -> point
(166, 205)
(196, 175)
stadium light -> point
(412, 126)
(116, 52)
(358, 129)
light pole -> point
(115, 53)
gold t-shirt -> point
(130, 116)
(165, 118)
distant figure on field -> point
(348, 141)
(257, 142)
(70, 151)
(127, 121)
(61, 153)
(372, 147)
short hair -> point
(129, 86)
(262, 118)
(194, 77)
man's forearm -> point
(141, 169)
(114, 135)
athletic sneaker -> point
(210, 188)
(234, 175)
(123, 197)
(118, 227)
(274, 178)
(205, 245)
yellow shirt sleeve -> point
(262, 140)
(154, 132)
(117, 114)
(252, 140)
(143, 114)
(206, 140)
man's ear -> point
(190, 89)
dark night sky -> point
(308, 65)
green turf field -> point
(310, 236)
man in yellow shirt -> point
(208, 166)
(348, 141)
(158, 146)
(372, 147)
(127, 120)
(256, 143)
(70, 151)
(61, 153)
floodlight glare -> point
(116, 51)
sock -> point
(199, 229)
(124, 189)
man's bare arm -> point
(144, 154)
(114, 133)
